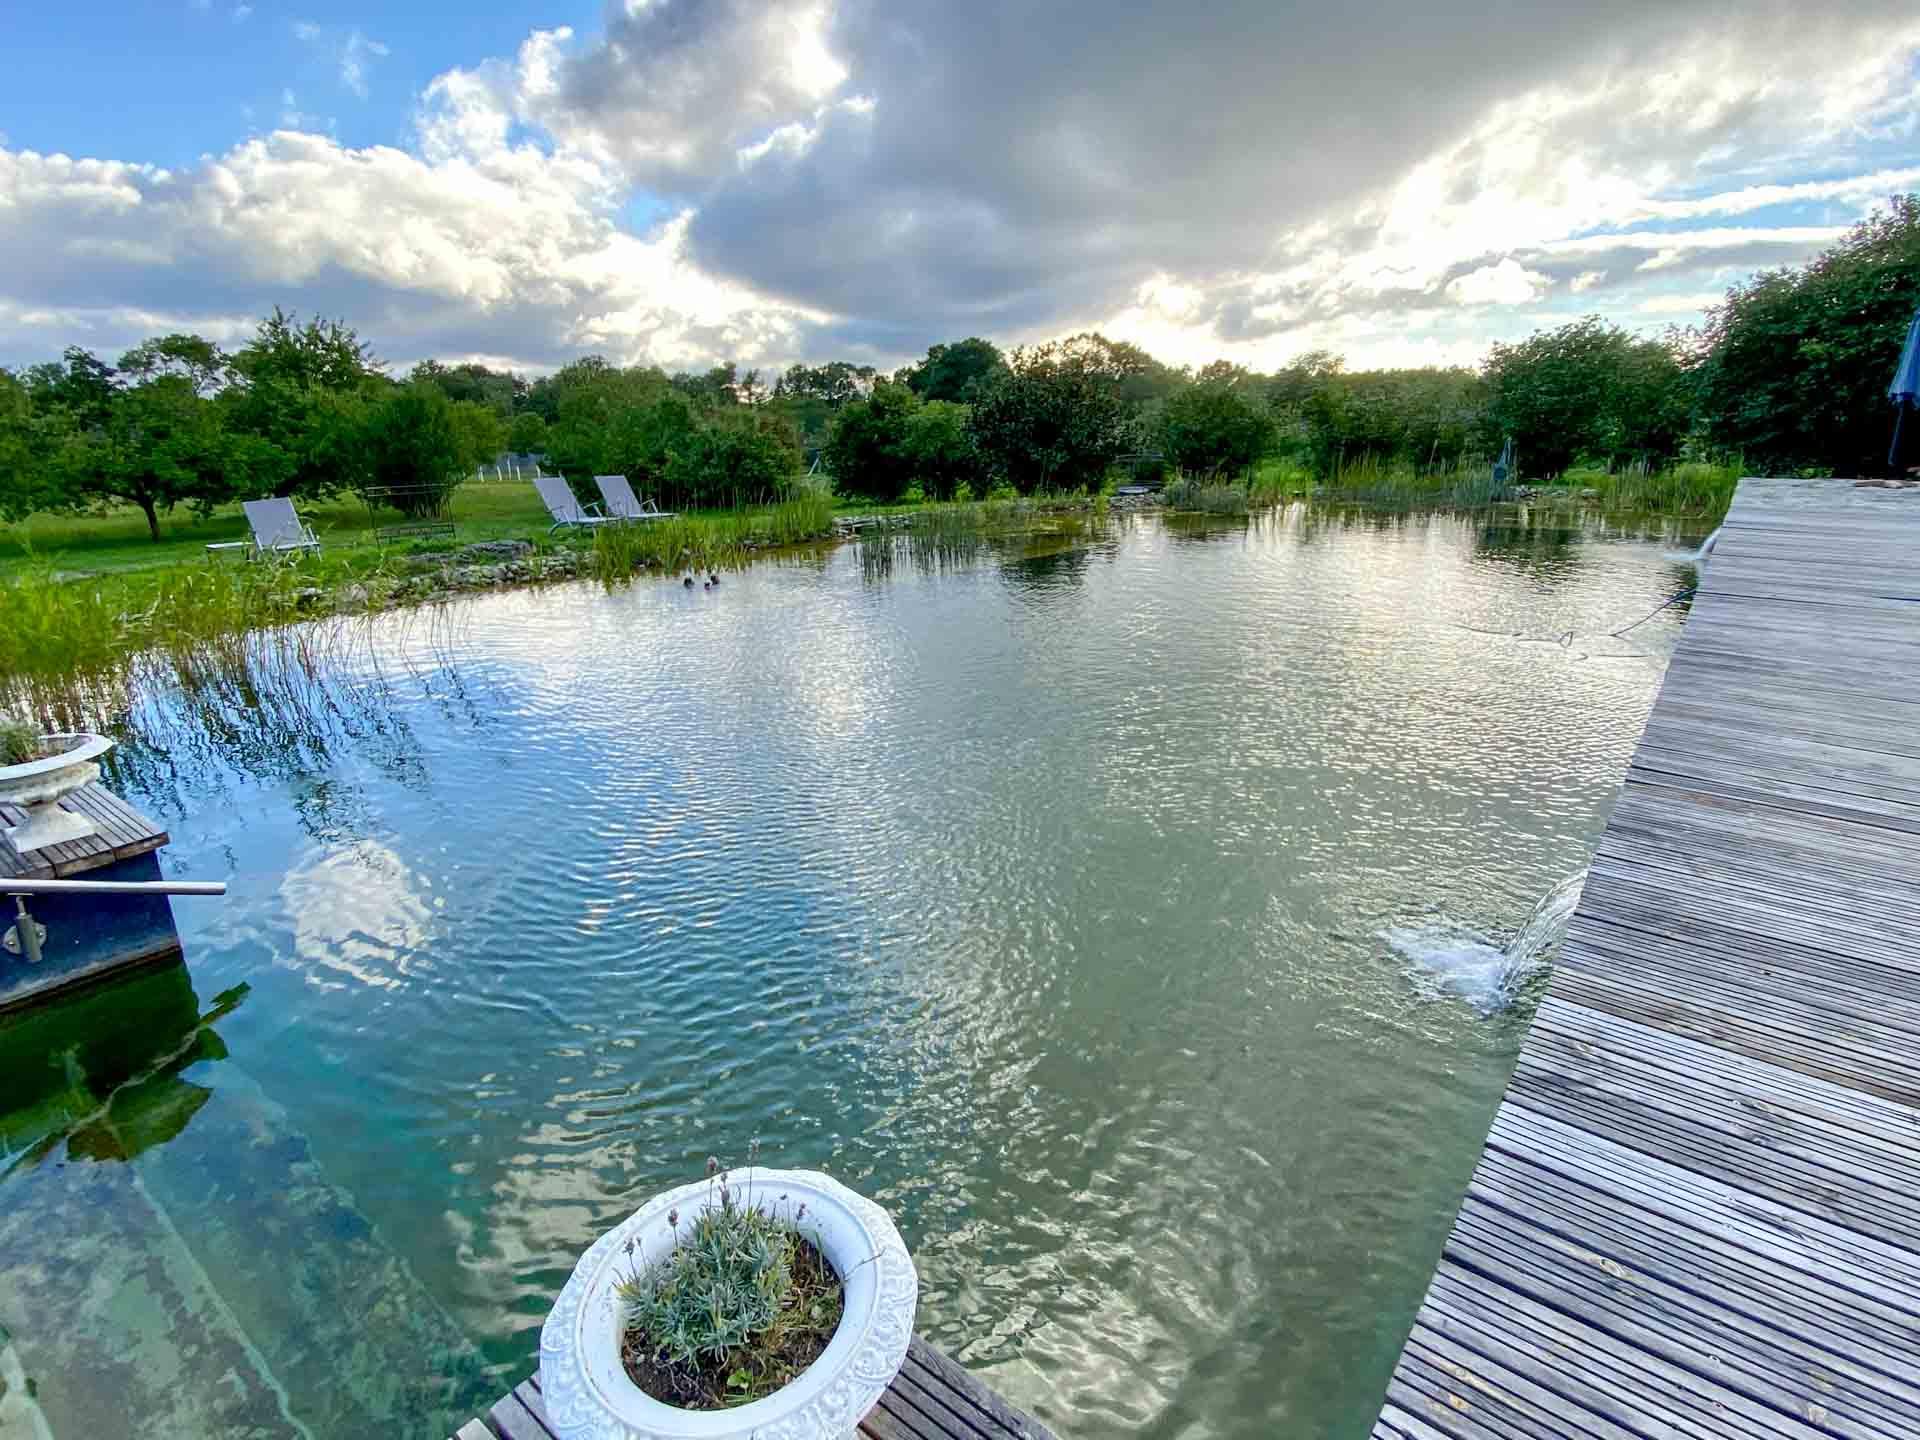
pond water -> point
(1118, 912)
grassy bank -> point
(711, 540)
(97, 544)
(62, 625)
(1693, 491)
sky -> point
(683, 182)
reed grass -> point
(708, 542)
(1695, 488)
(1217, 497)
(1373, 481)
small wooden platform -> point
(121, 832)
(1698, 1211)
(932, 1399)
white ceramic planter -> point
(40, 786)
(588, 1395)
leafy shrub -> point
(1214, 428)
(1054, 420)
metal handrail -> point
(113, 887)
(26, 935)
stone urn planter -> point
(586, 1388)
(40, 786)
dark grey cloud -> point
(852, 177)
(1026, 165)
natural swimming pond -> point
(1117, 912)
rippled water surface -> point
(1040, 895)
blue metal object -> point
(1905, 389)
(1904, 392)
(87, 936)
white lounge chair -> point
(277, 527)
(622, 504)
(565, 508)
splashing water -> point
(1451, 961)
(1698, 557)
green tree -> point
(1056, 419)
(28, 440)
(1216, 425)
(302, 392)
(866, 449)
(79, 388)
(813, 394)
(192, 357)
(958, 372)
(161, 445)
(1585, 390)
(727, 461)
(528, 434)
(938, 450)
(420, 445)
(500, 391)
(1792, 368)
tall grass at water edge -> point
(1695, 488)
(1379, 482)
(1692, 489)
(703, 542)
(953, 533)
(57, 628)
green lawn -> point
(118, 541)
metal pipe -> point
(113, 887)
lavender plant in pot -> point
(773, 1304)
(37, 772)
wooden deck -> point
(931, 1399)
(121, 832)
(1698, 1212)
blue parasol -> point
(1905, 390)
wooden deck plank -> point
(514, 1421)
(121, 833)
(1698, 1210)
(932, 1398)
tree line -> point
(1789, 372)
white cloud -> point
(356, 55)
(241, 14)
(473, 245)
(840, 177)
(1508, 283)
(352, 52)
(1695, 304)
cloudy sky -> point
(683, 181)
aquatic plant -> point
(703, 542)
(1372, 480)
(738, 1308)
(1693, 488)
(1212, 497)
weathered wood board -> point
(1698, 1211)
(931, 1399)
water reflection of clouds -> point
(358, 914)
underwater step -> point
(358, 1343)
(172, 1259)
(115, 1327)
